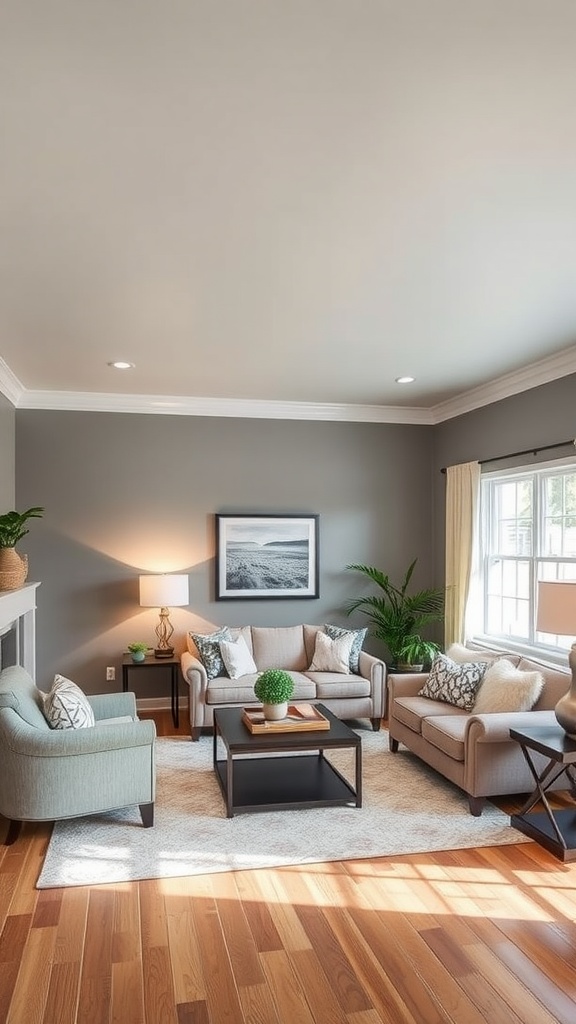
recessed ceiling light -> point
(405, 380)
(119, 364)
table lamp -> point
(164, 592)
(557, 614)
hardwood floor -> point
(462, 937)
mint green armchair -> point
(48, 774)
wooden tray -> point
(300, 718)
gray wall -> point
(7, 455)
(129, 493)
(541, 416)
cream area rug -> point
(407, 808)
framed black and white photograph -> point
(266, 556)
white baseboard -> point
(160, 704)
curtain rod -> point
(527, 451)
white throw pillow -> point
(66, 707)
(332, 655)
(237, 658)
(505, 688)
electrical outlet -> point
(110, 674)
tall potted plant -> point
(13, 566)
(395, 615)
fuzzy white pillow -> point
(237, 658)
(331, 655)
(505, 688)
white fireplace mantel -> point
(18, 611)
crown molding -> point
(542, 372)
(532, 376)
(168, 405)
(10, 386)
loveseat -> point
(474, 749)
(357, 692)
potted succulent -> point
(13, 566)
(274, 688)
(395, 614)
(416, 653)
(138, 650)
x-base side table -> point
(553, 829)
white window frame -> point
(532, 646)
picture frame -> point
(263, 556)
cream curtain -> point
(462, 491)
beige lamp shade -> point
(556, 608)
(557, 614)
(164, 592)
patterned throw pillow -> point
(358, 638)
(331, 655)
(66, 707)
(455, 684)
(208, 645)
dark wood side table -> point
(173, 664)
(553, 829)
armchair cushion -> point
(66, 707)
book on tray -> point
(300, 718)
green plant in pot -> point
(274, 688)
(13, 566)
(416, 654)
(138, 650)
(395, 614)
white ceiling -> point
(287, 201)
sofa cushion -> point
(237, 658)
(455, 684)
(66, 706)
(241, 691)
(331, 685)
(358, 638)
(332, 655)
(446, 732)
(279, 647)
(412, 711)
(208, 648)
(461, 654)
(505, 688)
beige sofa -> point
(472, 750)
(347, 695)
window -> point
(528, 533)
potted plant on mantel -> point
(274, 687)
(397, 616)
(13, 566)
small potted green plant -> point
(13, 566)
(416, 653)
(138, 650)
(274, 688)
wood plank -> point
(71, 929)
(257, 1005)
(96, 974)
(127, 993)
(62, 1000)
(185, 954)
(31, 991)
(221, 991)
(152, 913)
(288, 995)
(333, 960)
(159, 999)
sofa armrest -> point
(374, 669)
(405, 684)
(113, 705)
(193, 671)
(495, 727)
(25, 740)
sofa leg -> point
(195, 734)
(476, 804)
(393, 744)
(147, 812)
(376, 723)
(13, 832)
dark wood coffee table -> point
(282, 782)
